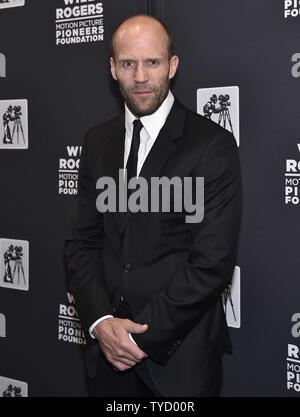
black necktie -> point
(132, 160)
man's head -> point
(143, 63)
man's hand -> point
(119, 350)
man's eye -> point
(127, 64)
(153, 62)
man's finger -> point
(129, 350)
(122, 351)
(120, 366)
(133, 327)
(126, 361)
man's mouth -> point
(142, 92)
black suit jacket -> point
(172, 273)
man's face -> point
(142, 66)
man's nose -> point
(141, 73)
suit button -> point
(127, 268)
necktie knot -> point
(137, 127)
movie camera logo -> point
(296, 67)
(68, 171)
(11, 3)
(293, 359)
(79, 21)
(221, 105)
(292, 180)
(13, 388)
(291, 8)
(14, 267)
(2, 325)
(13, 124)
(231, 298)
(2, 66)
(69, 326)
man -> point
(148, 285)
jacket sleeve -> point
(208, 269)
(84, 249)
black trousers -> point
(135, 382)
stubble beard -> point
(140, 110)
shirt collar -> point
(153, 122)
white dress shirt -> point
(152, 125)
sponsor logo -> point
(221, 105)
(69, 326)
(68, 171)
(13, 388)
(79, 22)
(11, 3)
(293, 368)
(291, 8)
(13, 124)
(14, 264)
(293, 356)
(231, 298)
(292, 180)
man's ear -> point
(174, 61)
(113, 68)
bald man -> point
(148, 285)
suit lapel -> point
(160, 152)
(114, 148)
(113, 152)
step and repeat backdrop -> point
(240, 67)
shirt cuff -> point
(96, 322)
